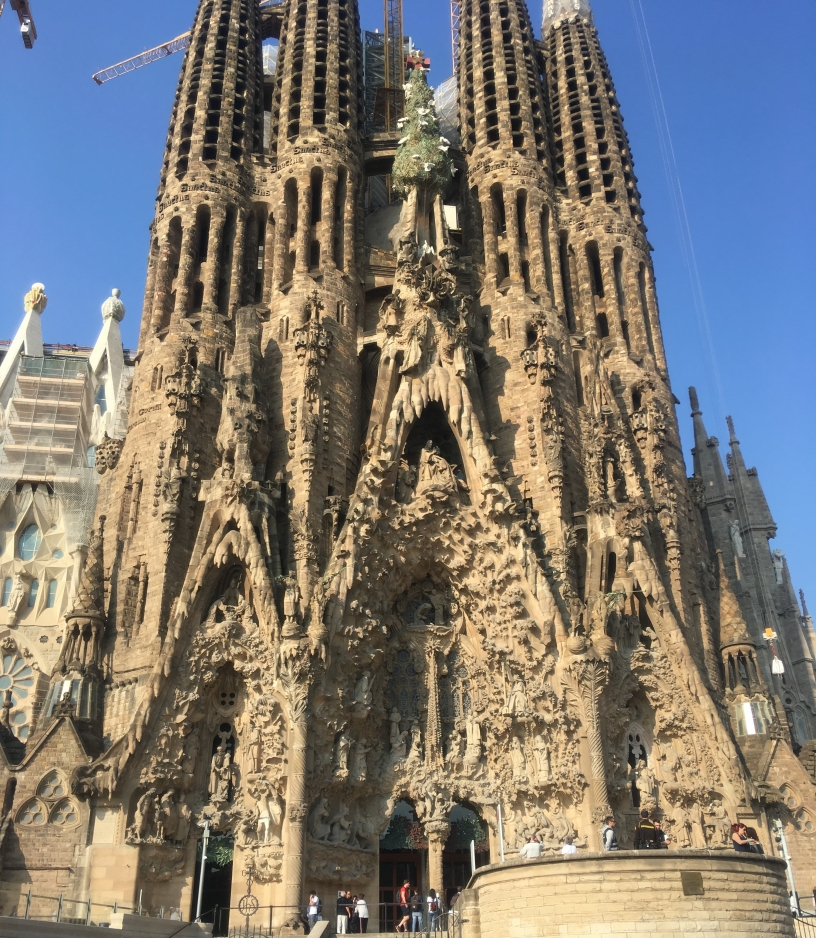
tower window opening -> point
(644, 305)
(339, 219)
(579, 381)
(314, 255)
(595, 274)
(602, 324)
(521, 209)
(504, 266)
(317, 196)
(202, 233)
(499, 215)
(566, 284)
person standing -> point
(342, 914)
(608, 835)
(662, 837)
(313, 910)
(416, 911)
(434, 911)
(531, 850)
(362, 913)
(404, 906)
(645, 832)
(569, 847)
(354, 918)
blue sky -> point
(80, 167)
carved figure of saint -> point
(416, 743)
(362, 690)
(517, 701)
(316, 824)
(407, 251)
(359, 767)
(542, 758)
(168, 817)
(406, 482)
(736, 538)
(340, 825)
(291, 599)
(720, 826)
(163, 743)
(456, 750)
(19, 589)
(390, 312)
(397, 738)
(184, 821)
(255, 749)
(216, 765)
(191, 748)
(473, 753)
(342, 755)
(226, 776)
(434, 469)
(518, 760)
(682, 826)
(645, 778)
(144, 819)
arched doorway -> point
(403, 856)
(466, 828)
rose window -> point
(18, 677)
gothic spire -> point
(555, 10)
(707, 461)
(733, 630)
(89, 601)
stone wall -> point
(630, 894)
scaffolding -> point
(446, 97)
(46, 437)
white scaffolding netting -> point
(554, 10)
(77, 494)
(447, 109)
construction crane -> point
(271, 18)
(456, 26)
(28, 31)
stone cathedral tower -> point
(399, 551)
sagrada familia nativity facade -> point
(396, 550)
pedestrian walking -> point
(404, 906)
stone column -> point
(238, 260)
(327, 225)
(295, 682)
(584, 680)
(437, 833)
(217, 224)
(186, 264)
(304, 228)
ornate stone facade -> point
(398, 529)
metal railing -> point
(75, 911)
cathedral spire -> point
(707, 461)
(556, 10)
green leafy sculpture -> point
(422, 162)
